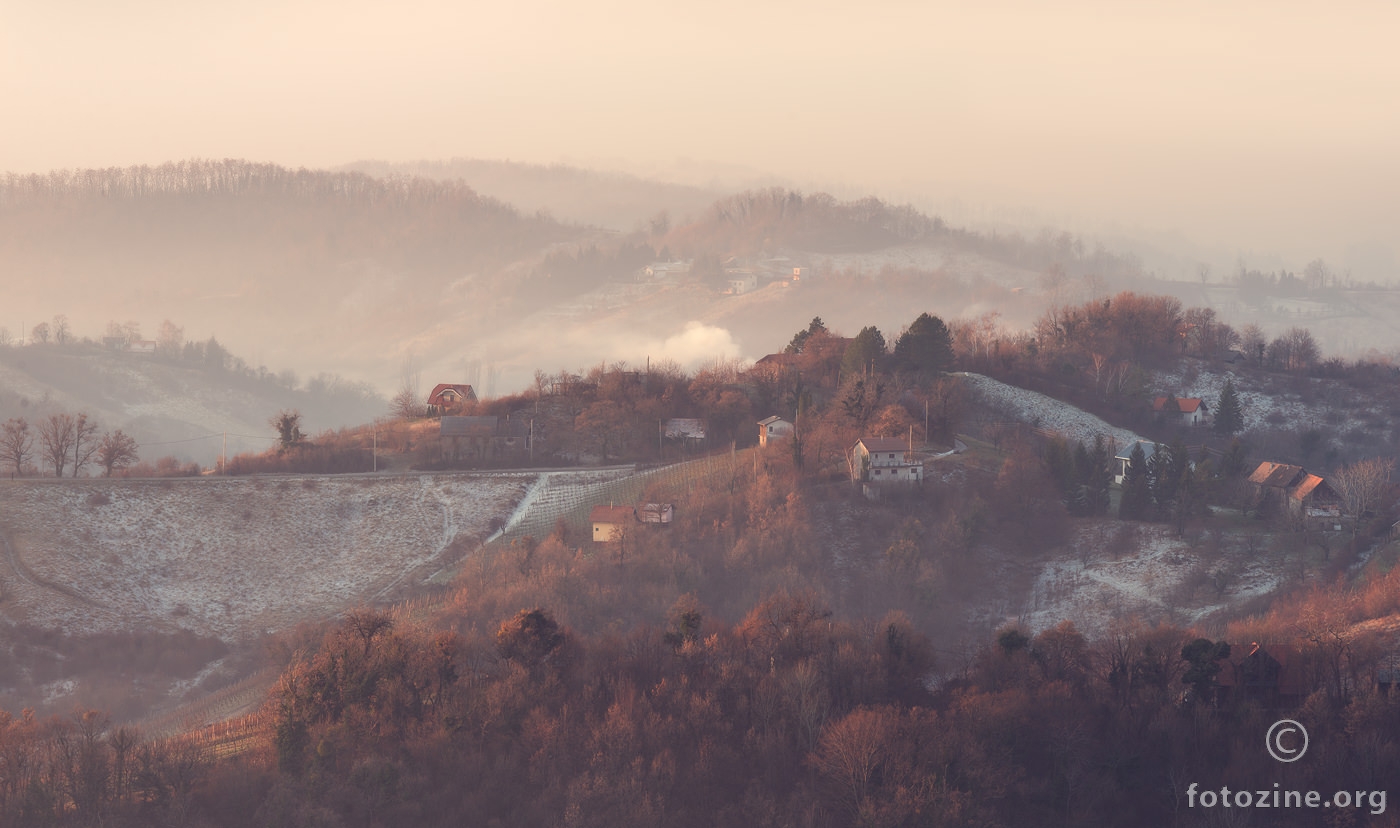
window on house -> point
(891, 456)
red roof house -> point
(1187, 411)
(446, 396)
(608, 521)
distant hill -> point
(603, 199)
(322, 270)
(173, 408)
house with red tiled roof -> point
(447, 396)
(1188, 411)
(884, 460)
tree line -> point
(63, 441)
(789, 716)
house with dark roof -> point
(1292, 490)
(485, 438)
(773, 428)
(1121, 459)
(447, 396)
(1273, 677)
(884, 460)
(1187, 411)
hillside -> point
(311, 270)
(616, 201)
(225, 559)
(173, 407)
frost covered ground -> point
(230, 557)
(1041, 411)
(1292, 402)
(1154, 576)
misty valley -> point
(500, 494)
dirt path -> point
(24, 573)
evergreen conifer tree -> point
(1229, 419)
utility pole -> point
(375, 451)
(223, 454)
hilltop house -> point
(1292, 490)
(885, 460)
(773, 428)
(1187, 411)
(447, 396)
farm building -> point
(1292, 490)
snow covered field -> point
(230, 557)
(1155, 577)
(1045, 412)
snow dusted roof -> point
(1276, 475)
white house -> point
(773, 428)
(885, 460)
(1190, 411)
(1120, 469)
(741, 281)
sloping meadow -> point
(231, 558)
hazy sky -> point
(1259, 125)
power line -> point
(209, 437)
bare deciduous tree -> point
(85, 442)
(116, 452)
(405, 404)
(171, 339)
(56, 435)
(16, 444)
(62, 332)
(39, 333)
(1362, 483)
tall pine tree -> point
(1229, 419)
